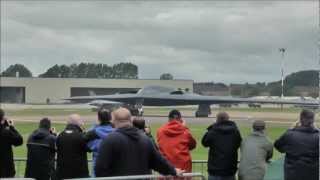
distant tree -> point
(166, 76)
(125, 71)
(107, 71)
(92, 70)
(13, 69)
(57, 71)
(52, 72)
(65, 71)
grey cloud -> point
(205, 41)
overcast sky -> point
(220, 41)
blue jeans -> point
(221, 177)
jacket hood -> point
(174, 128)
(224, 127)
(131, 132)
(103, 130)
(73, 127)
(40, 134)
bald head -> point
(75, 119)
(222, 116)
(121, 117)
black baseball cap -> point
(174, 114)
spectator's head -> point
(259, 125)
(45, 123)
(306, 118)
(139, 123)
(1, 114)
(104, 116)
(121, 118)
(76, 120)
(222, 116)
(174, 115)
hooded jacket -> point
(9, 137)
(94, 138)
(175, 142)
(223, 139)
(41, 153)
(301, 145)
(128, 151)
(72, 150)
(256, 150)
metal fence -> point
(199, 166)
(185, 176)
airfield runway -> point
(152, 115)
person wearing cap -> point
(175, 141)
(9, 137)
(100, 131)
(72, 161)
(301, 147)
(223, 139)
(41, 152)
(256, 151)
(127, 151)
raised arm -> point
(159, 163)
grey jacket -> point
(256, 150)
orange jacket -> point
(175, 142)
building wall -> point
(37, 90)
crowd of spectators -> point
(122, 145)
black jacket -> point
(301, 146)
(128, 151)
(224, 140)
(41, 154)
(9, 137)
(72, 161)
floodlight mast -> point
(282, 51)
(319, 66)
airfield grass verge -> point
(147, 111)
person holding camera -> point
(9, 137)
(41, 152)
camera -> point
(6, 122)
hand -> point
(295, 124)
(180, 172)
(184, 122)
(10, 123)
(147, 130)
(53, 130)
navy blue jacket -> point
(301, 146)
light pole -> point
(282, 51)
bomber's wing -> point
(194, 99)
(116, 98)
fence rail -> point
(199, 166)
(150, 177)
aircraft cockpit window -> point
(177, 92)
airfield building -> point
(53, 90)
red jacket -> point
(175, 142)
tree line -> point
(82, 70)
